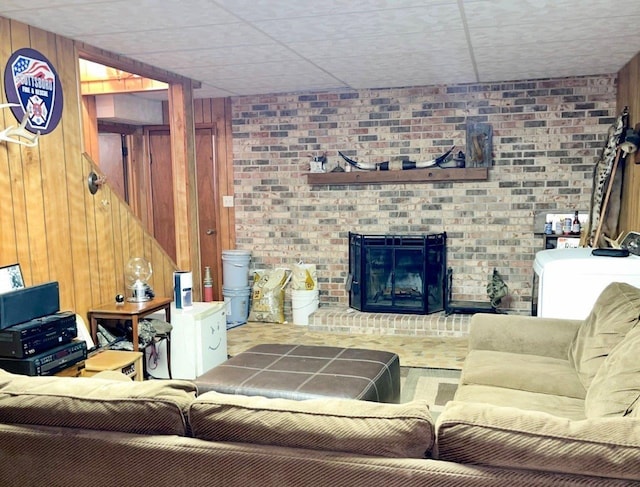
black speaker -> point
(28, 303)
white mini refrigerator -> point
(567, 282)
(198, 339)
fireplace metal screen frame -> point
(430, 259)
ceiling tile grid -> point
(244, 47)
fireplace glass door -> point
(401, 274)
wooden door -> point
(208, 206)
(162, 190)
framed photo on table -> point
(10, 278)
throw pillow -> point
(616, 386)
(149, 407)
(332, 424)
(615, 312)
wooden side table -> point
(129, 363)
(128, 311)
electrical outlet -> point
(227, 201)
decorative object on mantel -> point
(479, 144)
(19, 134)
(318, 163)
(460, 159)
(398, 163)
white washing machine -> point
(567, 282)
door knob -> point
(211, 231)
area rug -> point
(436, 386)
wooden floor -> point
(414, 351)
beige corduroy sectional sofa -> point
(541, 402)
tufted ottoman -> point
(307, 372)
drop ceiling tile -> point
(286, 9)
(257, 70)
(436, 20)
(371, 64)
(382, 46)
(126, 16)
(180, 39)
(408, 76)
(208, 91)
(534, 14)
(219, 56)
(555, 32)
(552, 54)
(246, 86)
(21, 5)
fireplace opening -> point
(397, 273)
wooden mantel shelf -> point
(406, 176)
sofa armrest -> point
(531, 335)
(507, 437)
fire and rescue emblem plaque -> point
(32, 84)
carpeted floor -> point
(436, 386)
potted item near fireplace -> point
(397, 273)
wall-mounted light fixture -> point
(94, 182)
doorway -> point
(208, 198)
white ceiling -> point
(244, 47)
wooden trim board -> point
(407, 176)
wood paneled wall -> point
(49, 222)
(629, 95)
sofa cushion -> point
(347, 425)
(149, 407)
(529, 440)
(615, 312)
(563, 406)
(533, 373)
(616, 386)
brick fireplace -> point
(547, 135)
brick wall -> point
(547, 135)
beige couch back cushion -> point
(615, 389)
(615, 312)
(361, 427)
(507, 437)
(149, 407)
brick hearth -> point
(335, 319)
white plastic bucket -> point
(303, 303)
(235, 268)
(237, 304)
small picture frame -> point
(11, 278)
